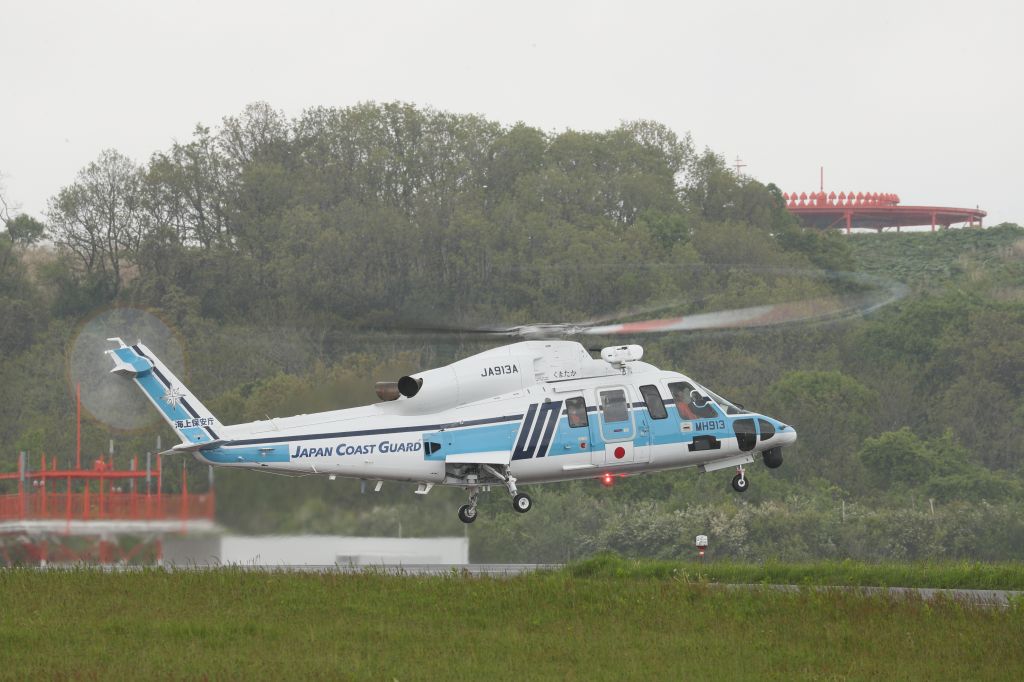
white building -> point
(312, 550)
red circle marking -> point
(620, 452)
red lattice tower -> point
(80, 515)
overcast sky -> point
(924, 99)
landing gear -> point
(467, 513)
(739, 481)
(522, 503)
(772, 458)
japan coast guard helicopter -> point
(536, 411)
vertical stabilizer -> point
(194, 424)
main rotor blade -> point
(816, 309)
(826, 308)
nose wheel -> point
(739, 481)
(467, 512)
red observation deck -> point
(873, 210)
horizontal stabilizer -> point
(194, 447)
(129, 364)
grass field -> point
(948, 574)
(575, 624)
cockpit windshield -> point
(729, 407)
(694, 401)
(690, 402)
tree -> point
(20, 230)
(895, 458)
(98, 218)
(832, 413)
(185, 190)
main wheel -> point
(522, 503)
(467, 514)
(772, 458)
(740, 483)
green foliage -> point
(928, 261)
(834, 412)
(24, 230)
(962, 575)
(273, 246)
(894, 458)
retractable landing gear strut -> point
(521, 502)
(467, 512)
(739, 481)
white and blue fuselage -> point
(532, 412)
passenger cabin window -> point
(655, 405)
(614, 406)
(576, 408)
(689, 402)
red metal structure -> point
(873, 210)
(98, 515)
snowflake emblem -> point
(173, 396)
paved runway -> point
(998, 598)
(391, 569)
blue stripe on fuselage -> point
(276, 453)
(493, 438)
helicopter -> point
(535, 411)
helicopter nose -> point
(787, 436)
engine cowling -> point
(468, 380)
(492, 373)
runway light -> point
(607, 480)
(701, 542)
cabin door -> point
(617, 426)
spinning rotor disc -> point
(874, 293)
(108, 398)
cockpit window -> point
(690, 402)
(655, 405)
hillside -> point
(288, 256)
